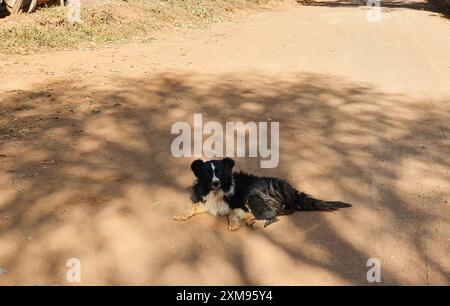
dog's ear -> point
(228, 163)
(197, 167)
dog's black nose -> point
(216, 183)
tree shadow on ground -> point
(88, 173)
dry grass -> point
(111, 21)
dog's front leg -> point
(195, 209)
(235, 218)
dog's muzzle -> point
(215, 185)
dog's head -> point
(214, 175)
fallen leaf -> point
(47, 162)
(155, 203)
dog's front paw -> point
(183, 216)
(234, 222)
(234, 226)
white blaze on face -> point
(214, 179)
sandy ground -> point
(86, 169)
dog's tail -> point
(282, 195)
(306, 202)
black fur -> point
(265, 197)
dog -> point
(219, 191)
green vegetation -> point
(111, 21)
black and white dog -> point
(241, 196)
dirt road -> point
(86, 169)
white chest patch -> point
(214, 203)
